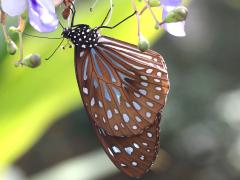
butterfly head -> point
(82, 35)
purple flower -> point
(42, 14)
(176, 28)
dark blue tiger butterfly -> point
(123, 91)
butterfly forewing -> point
(132, 155)
(122, 88)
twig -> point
(138, 17)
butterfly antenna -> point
(55, 50)
(61, 25)
(110, 15)
(112, 27)
(109, 11)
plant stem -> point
(153, 15)
(4, 28)
(138, 18)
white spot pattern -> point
(92, 101)
(116, 149)
(109, 114)
(125, 118)
(85, 90)
(149, 135)
(129, 150)
(134, 163)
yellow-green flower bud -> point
(11, 47)
(154, 3)
(13, 29)
(157, 26)
(143, 43)
(32, 60)
(178, 14)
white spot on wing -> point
(149, 104)
(144, 84)
(149, 71)
(136, 145)
(149, 134)
(92, 101)
(109, 114)
(100, 104)
(136, 105)
(116, 149)
(134, 127)
(128, 105)
(123, 165)
(137, 95)
(143, 91)
(134, 163)
(81, 53)
(129, 150)
(125, 118)
(85, 90)
(138, 119)
(157, 97)
(116, 127)
(148, 114)
(144, 78)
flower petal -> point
(42, 15)
(170, 2)
(13, 8)
(176, 29)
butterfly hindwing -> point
(132, 155)
(122, 88)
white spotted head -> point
(82, 36)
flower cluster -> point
(173, 18)
(43, 18)
(174, 15)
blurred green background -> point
(45, 133)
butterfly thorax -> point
(82, 35)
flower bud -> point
(178, 14)
(66, 13)
(32, 60)
(13, 29)
(157, 26)
(154, 3)
(11, 47)
(143, 43)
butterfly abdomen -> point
(82, 35)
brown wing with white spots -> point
(122, 88)
(132, 155)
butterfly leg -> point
(73, 9)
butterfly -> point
(124, 91)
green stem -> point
(153, 15)
(20, 47)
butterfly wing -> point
(122, 88)
(132, 155)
